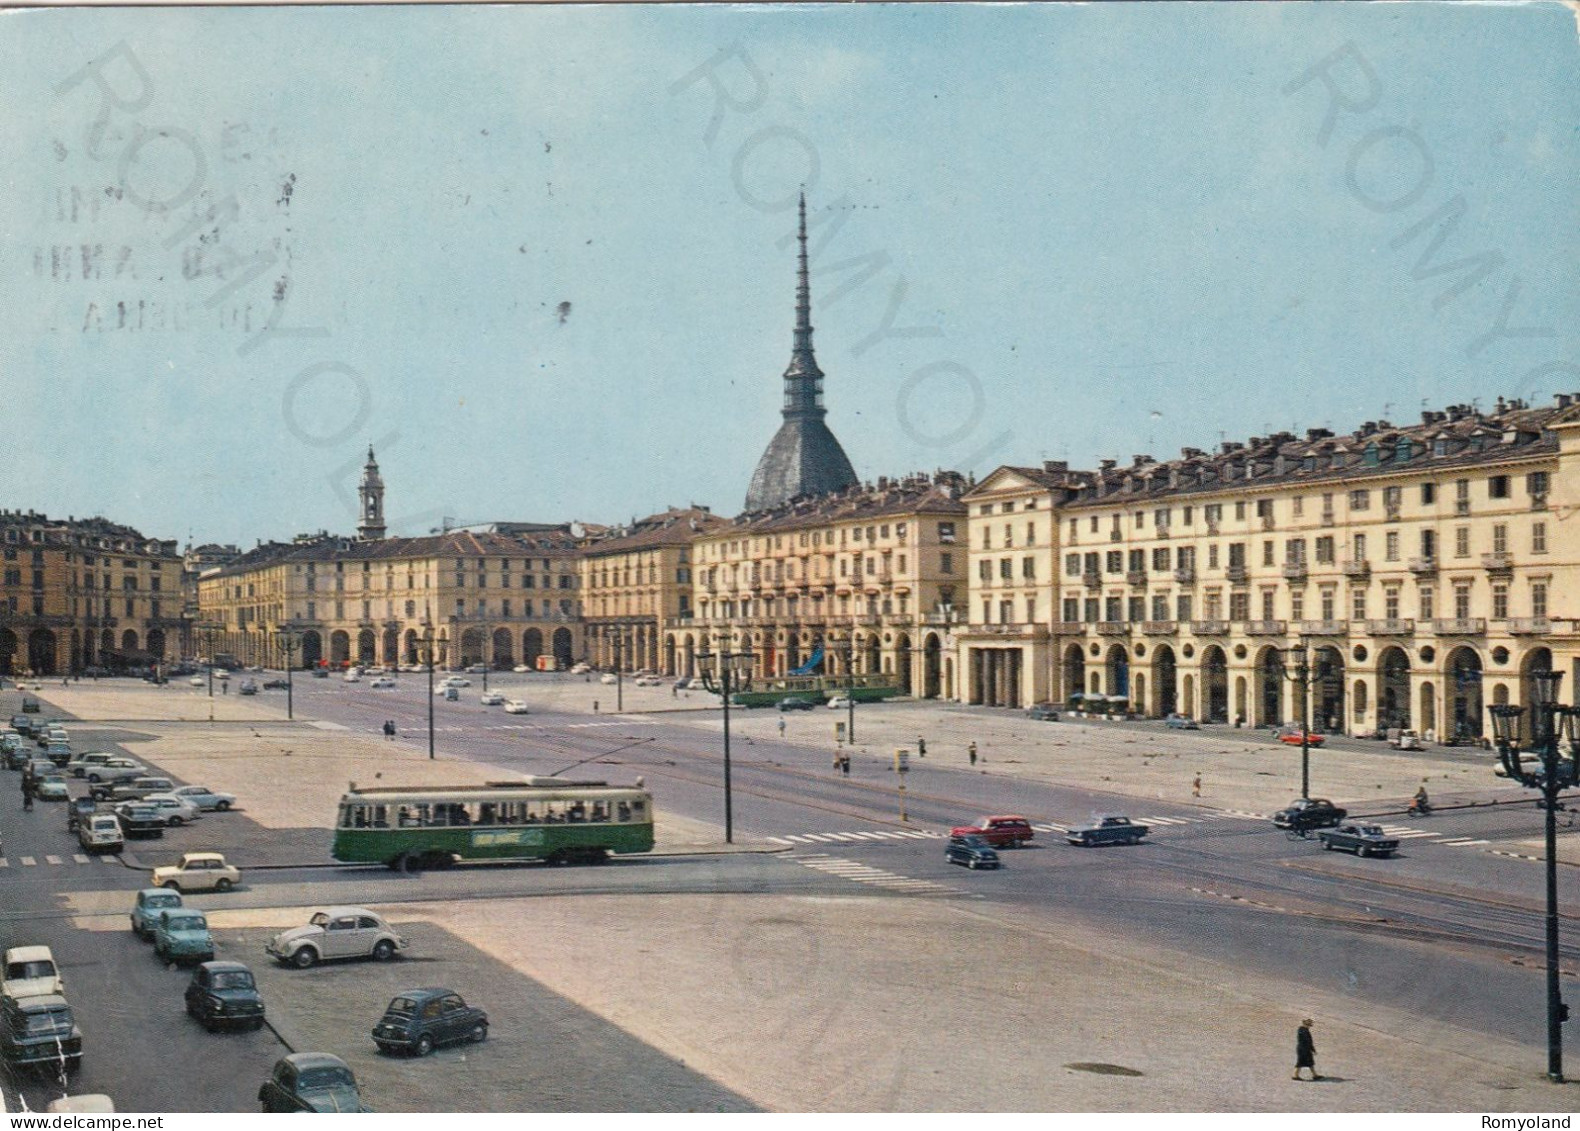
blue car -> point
(150, 904)
(972, 851)
(181, 936)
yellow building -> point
(1424, 570)
(635, 580)
(85, 594)
(868, 578)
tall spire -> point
(803, 379)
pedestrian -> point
(1195, 786)
(27, 793)
(595, 706)
(971, 752)
(674, 691)
(844, 764)
(921, 748)
(838, 760)
(1305, 1050)
(781, 726)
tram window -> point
(639, 808)
(381, 817)
(486, 814)
(578, 812)
(600, 811)
(623, 812)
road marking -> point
(4, 863)
(876, 877)
(1247, 816)
(52, 859)
(81, 858)
(780, 840)
(1167, 820)
(28, 862)
(1458, 841)
(1515, 855)
(1406, 832)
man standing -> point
(1305, 1050)
(1195, 786)
(971, 752)
(781, 726)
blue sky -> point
(543, 291)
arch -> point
(156, 643)
(1359, 700)
(367, 643)
(531, 647)
(1463, 716)
(411, 653)
(1393, 691)
(504, 652)
(7, 651)
(1165, 679)
(1116, 665)
(1269, 688)
(562, 648)
(129, 641)
(1327, 690)
(1074, 672)
(471, 647)
(874, 655)
(1215, 684)
(41, 651)
(902, 663)
(1536, 660)
(391, 647)
(339, 647)
(312, 649)
(1138, 688)
(932, 666)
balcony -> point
(1092, 579)
(1530, 626)
(1113, 628)
(1538, 500)
(1497, 563)
(1185, 575)
(1159, 627)
(1357, 570)
(1295, 571)
(1136, 578)
(1237, 574)
(1070, 627)
(1212, 527)
(1391, 626)
(1265, 627)
(1210, 627)
(1322, 627)
(1423, 566)
(1160, 531)
(1460, 626)
(1461, 507)
(1031, 631)
(1327, 518)
(944, 616)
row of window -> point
(815, 538)
(769, 608)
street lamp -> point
(850, 688)
(619, 673)
(288, 636)
(1552, 774)
(428, 641)
(210, 630)
(726, 666)
(1301, 677)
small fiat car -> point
(181, 936)
(30, 971)
(224, 995)
(39, 1032)
(311, 1081)
(198, 871)
(972, 851)
(150, 904)
(418, 1021)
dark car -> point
(29, 705)
(1363, 840)
(1181, 722)
(224, 994)
(139, 819)
(972, 851)
(276, 684)
(320, 673)
(795, 703)
(417, 1021)
(22, 725)
(311, 1081)
(39, 1032)
(1108, 830)
(1043, 712)
(1309, 813)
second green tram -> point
(560, 822)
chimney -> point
(1055, 466)
(1107, 464)
(1564, 400)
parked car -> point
(839, 703)
(795, 703)
(311, 1081)
(101, 833)
(520, 668)
(29, 705)
(31, 971)
(248, 687)
(649, 681)
(181, 936)
(609, 678)
(276, 684)
(78, 767)
(1309, 813)
(205, 798)
(78, 810)
(51, 787)
(352, 676)
(138, 819)
(580, 668)
(456, 681)
(1293, 738)
(39, 1032)
(477, 669)
(1108, 830)
(684, 683)
(132, 789)
(1407, 740)
(516, 707)
(1043, 712)
(418, 1021)
(22, 725)
(149, 905)
(114, 769)
(972, 851)
(197, 681)
(1000, 832)
(337, 932)
(177, 811)
(58, 752)
(1181, 722)
(224, 994)
(198, 871)
(382, 683)
(492, 698)
(1363, 840)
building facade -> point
(1423, 572)
(84, 594)
(865, 580)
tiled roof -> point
(936, 494)
(674, 527)
(453, 544)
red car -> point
(1000, 832)
(1292, 738)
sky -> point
(542, 258)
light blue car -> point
(150, 904)
(181, 936)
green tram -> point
(560, 822)
(867, 688)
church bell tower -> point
(371, 523)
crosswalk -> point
(76, 858)
(877, 877)
(791, 840)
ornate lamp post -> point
(1552, 773)
(288, 636)
(1295, 666)
(210, 630)
(726, 669)
(428, 647)
(619, 676)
